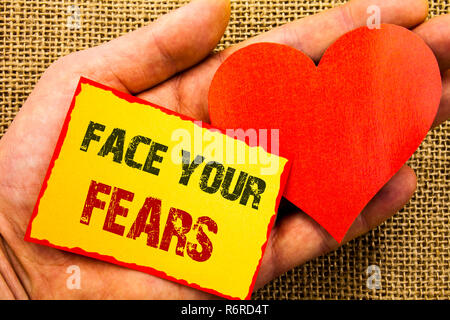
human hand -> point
(140, 63)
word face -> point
(115, 145)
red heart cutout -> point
(347, 125)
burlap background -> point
(412, 249)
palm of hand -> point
(139, 63)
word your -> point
(253, 186)
(178, 224)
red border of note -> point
(111, 259)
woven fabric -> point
(412, 249)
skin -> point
(170, 64)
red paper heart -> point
(348, 125)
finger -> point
(313, 35)
(173, 43)
(436, 33)
(298, 238)
(443, 113)
(9, 278)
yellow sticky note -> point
(140, 186)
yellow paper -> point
(237, 232)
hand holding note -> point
(143, 63)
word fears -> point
(178, 223)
